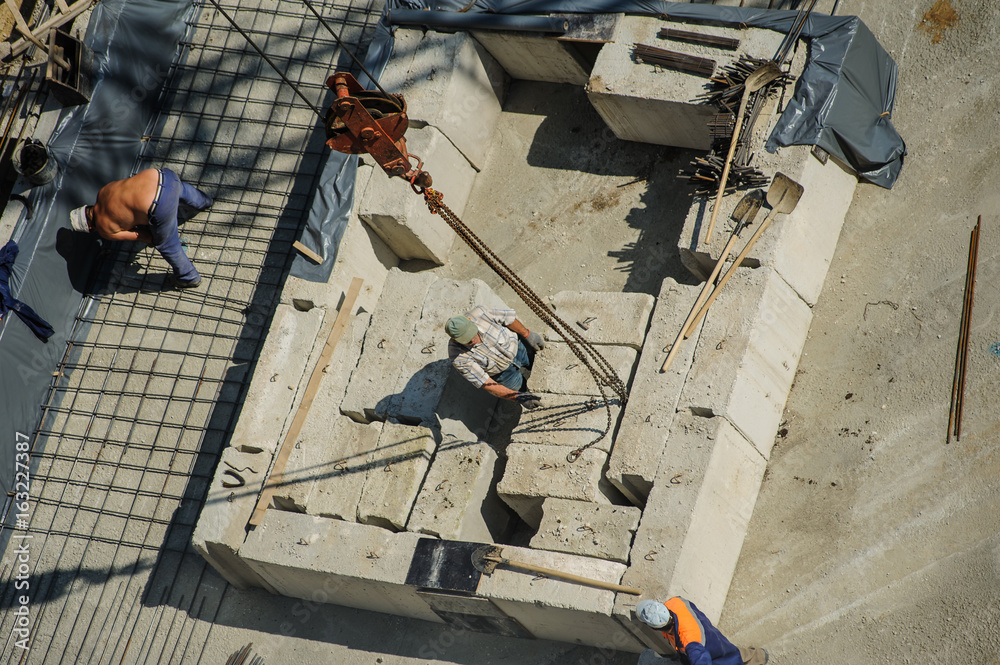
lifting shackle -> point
(370, 122)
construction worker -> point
(693, 636)
(144, 208)
(486, 348)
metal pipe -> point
(455, 21)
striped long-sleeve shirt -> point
(496, 351)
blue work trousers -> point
(511, 377)
(163, 222)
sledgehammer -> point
(487, 558)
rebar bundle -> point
(706, 171)
(673, 60)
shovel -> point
(745, 211)
(487, 558)
(782, 196)
(757, 80)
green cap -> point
(461, 329)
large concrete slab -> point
(588, 529)
(457, 500)
(395, 471)
(386, 344)
(451, 83)
(619, 319)
(532, 57)
(401, 218)
(653, 397)
(332, 561)
(222, 524)
(799, 245)
(558, 370)
(640, 102)
(746, 354)
(326, 470)
(280, 368)
(696, 518)
(536, 472)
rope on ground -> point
(600, 369)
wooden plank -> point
(18, 47)
(278, 468)
(308, 253)
(22, 25)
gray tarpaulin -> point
(134, 42)
(842, 102)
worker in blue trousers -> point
(144, 208)
(693, 636)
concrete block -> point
(426, 367)
(653, 397)
(395, 472)
(746, 355)
(640, 102)
(587, 529)
(464, 411)
(567, 420)
(221, 528)
(332, 561)
(536, 472)
(554, 609)
(695, 521)
(535, 58)
(619, 319)
(326, 470)
(401, 218)
(453, 84)
(282, 363)
(799, 245)
(557, 369)
(386, 344)
(457, 500)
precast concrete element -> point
(401, 218)
(395, 472)
(640, 102)
(221, 528)
(536, 472)
(464, 411)
(457, 501)
(282, 361)
(566, 420)
(695, 521)
(799, 245)
(332, 561)
(554, 609)
(450, 82)
(618, 319)
(653, 396)
(746, 355)
(587, 529)
(557, 369)
(326, 470)
(426, 366)
(386, 343)
(532, 57)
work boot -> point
(179, 283)
(753, 655)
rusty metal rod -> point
(958, 381)
(968, 326)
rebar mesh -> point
(152, 381)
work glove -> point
(528, 400)
(535, 341)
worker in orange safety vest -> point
(693, 636)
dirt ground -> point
(873, 541)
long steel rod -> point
(958, 380)
(968, 325)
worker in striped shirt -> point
(693, 636)
(487, 347)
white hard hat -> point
(653, 613)
(78, 219)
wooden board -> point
(278, 468)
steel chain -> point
(603, 375)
